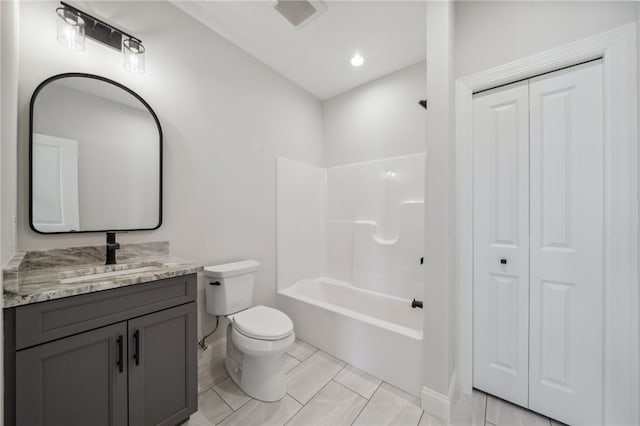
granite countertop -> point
(37, 276)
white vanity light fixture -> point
(74, 25)
(133, 52)
(357, 60)
(70, 28)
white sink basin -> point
(102, 275)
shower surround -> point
(349, 243)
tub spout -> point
(416, 304)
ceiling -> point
(390, 35)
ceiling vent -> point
(299, 12)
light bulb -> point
(357, 60)
(133, 52)
(70, 28)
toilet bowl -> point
(257, 337)
(256, 340)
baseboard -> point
(437, 404)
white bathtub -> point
(379, 334)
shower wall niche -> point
(362, 224)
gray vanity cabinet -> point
(161, 371)
(125, 356)
(74, 381)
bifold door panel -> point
(538, 176)
(567, 244)
(501, 242)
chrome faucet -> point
(112, 246)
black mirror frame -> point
(121, 86)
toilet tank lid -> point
(231, 269)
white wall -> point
(301, 220)
(9, 124)
(439, 327)
(2, 263)
(491, 33)
(379, 119)
(225, 118)
(9, 24)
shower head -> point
(423, 103)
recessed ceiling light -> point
(357, 60)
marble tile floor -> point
(323, 390)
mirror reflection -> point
(95, 157)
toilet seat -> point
(262, 323)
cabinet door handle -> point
(120, 354)
(136, 340)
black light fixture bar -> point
(100, 31)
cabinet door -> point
(80, 380)
(162, 367)
(567, 244)
(501, 242)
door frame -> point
(617, 48)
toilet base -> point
(270, 390)
(261, 377)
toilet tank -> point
(229, 287)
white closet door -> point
(567, 216)
(55, 184)
(501, 231)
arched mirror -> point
(95, 157)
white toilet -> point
(256, 336)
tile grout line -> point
(204, 390)
(293, 414)
(226, 417)
(348, 388)
(519, 407)
(420, 419)
(232, 410)
(323, 386)
(243, 404)
(294, 398)
(310, 399)
(296, 412)
(368, 400)
(353, 390)
(303, 360)
(225, 402)
(486, 406)
(299, 362)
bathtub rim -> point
(411, 333)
